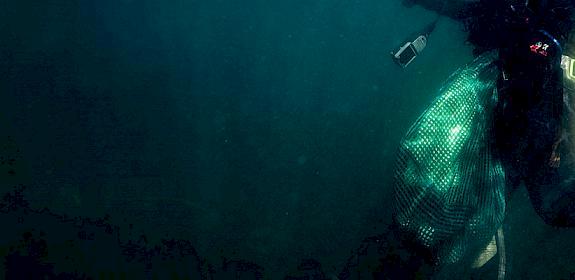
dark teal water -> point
(261, 130)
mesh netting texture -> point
(449, 189)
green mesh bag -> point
(449, 190)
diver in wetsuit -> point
(449, 196)
(529, 111)
(530, 37)
(525, 129)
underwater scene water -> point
(263, 133)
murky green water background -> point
(262, 130)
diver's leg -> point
(552, 199)
(551, 192)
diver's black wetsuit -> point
(527, 120)
(529, 111)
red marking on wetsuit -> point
(539, 48)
